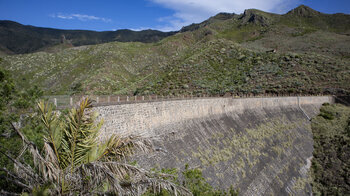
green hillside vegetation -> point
(304, 30)
(16, 38)
(224, 54)
(331, 162)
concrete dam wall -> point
(261, 146)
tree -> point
(13, 104)
(72, 159)
(7, 92)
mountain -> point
(16, 38)
(302, 51)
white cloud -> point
(81, 17)
(194, 11)
(140, 28)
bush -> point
(196, 183)
(326, 114)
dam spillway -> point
(261, 146)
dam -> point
(260, 146)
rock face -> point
(253, 16)
(63, 39)
(303, 11)
(261, 146)
(219, 17)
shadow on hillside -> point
(345, 100)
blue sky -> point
(165, 15)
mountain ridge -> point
(21, 39)
(303, 10)
(254, 53)
(16, 38)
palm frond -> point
(120, 147)
(14, 177)
(52, 133)
(45, 167)
(124, 179)
(80, 135)
(72, 158)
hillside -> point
(225, 54)
(331, 162)
(16, 38)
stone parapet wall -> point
(144, 117)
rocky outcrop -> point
(255, 17)
(303, 11)
(213, 19)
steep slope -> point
(331, 162)
(221, 66)
(224, 54)
(93, 68)
(305, 30)
(19, 39)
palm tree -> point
(74, 161)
